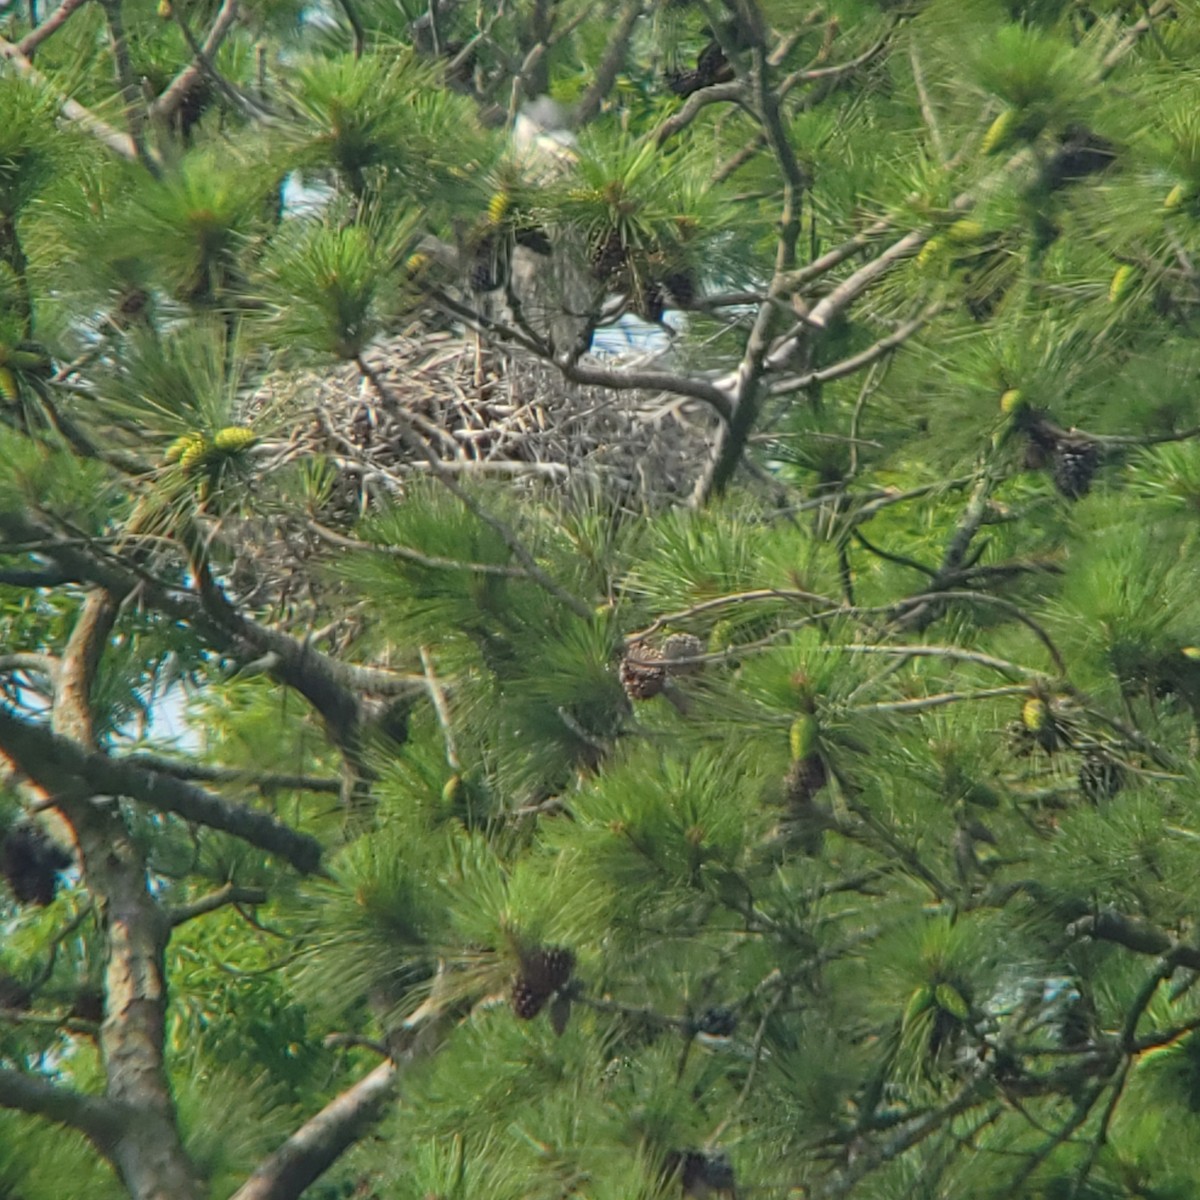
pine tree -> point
(760, 765)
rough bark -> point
(147, 1151)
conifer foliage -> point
(440, 758)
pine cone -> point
(30, 862)
(1100, 778)
(1075, 463)
(607, 255)
(680, 286)
(542, 973)
(804, 779)
(652, 303)
(527, 1003)
(642, 675)
(682, 646)
(717, 1021)
(489, 268)
(701, 1173)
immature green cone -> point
(950, 999)
(1121, 281)
(1012, 401)
(194, 455)
(1038, 726)
(498, 206)
(929, 252)
(233, 439)
(999, 132)
(1035, 714)
(722, 637)
(802, 737)
(176, 450)
(965, 232)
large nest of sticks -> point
(484, 413)
(479, 413)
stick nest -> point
(483, 413)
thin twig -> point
(442, 709)
(32, 40)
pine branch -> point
(318, 1144)
(15, 577)
(871, 1158)
(927, 703)
(715, 93)
(856, 362)
(32, 40)
(610, 65)
(119, 143)
(408, 554)
(176, 91)
(26, 660)
(231, 893)
(694, 610)
(59, 765)
(744, 385)
(1141, 937)
(98, 1120)
(135, 116)
(350, 11)
(239, 775)
(149, 1154)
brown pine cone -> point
(542, 973)
(804, 779)
(682, 646)
(526, 1002)
(642, 673)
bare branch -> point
(610, 65)
(238, 775)
(745, 381)
(438, 696)
(32, 40)
(41, 664)
(1108, 925)
(410, 555)
(931, 121)
(135, 114)
(704, 606)
(118, 142)
(317, 1144)
(174, 93)
(229, 894)
(98, 1120)
(59, 765)
(856, 362)
(715, 93)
